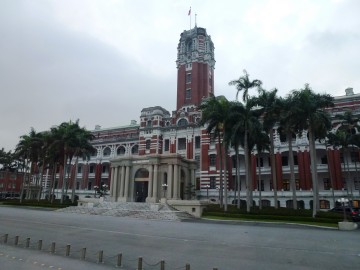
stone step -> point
(128, 209)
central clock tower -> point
(195, 63)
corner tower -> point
(195, 63)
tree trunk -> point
(259, 182)
(273, 167)
(75, 180)
(238, 176)
(331, 177)
(221, 174)
(225, 182)
(63, 180)
(313, 172)
(247, 172)
(292, 173)
(348, 182)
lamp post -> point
(164, 186)
(218, 189)
(96, 188)
(207, 191)
(344, 201)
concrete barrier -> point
(347, 226)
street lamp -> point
(96, 189)
(218, 189)
(164, 186)
(344, 201)
(207, 191)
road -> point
(202, 245)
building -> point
(168, 155)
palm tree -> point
(234, 137)
(244, 84)
(65, 140)
(311, 116)
(287, 125)
(27, 150)
(262, 144)
(214, 112)
(83, 149)
(270, 108)
(240, 126)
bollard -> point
(187, 266)
(162, 265)
(52, 249)
(27, 242)
(83, 254)
(140, 263)
(100, 256)
(119, 259)
(67, 251)
(6, 238)
(40, 245)
(16, 240)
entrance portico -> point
(140, 179)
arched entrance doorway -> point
(141, 185)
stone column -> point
(115, 182)
(176, 181)
(150, 181)
(169, 182)
(127, 175)
(122, 182)
(112, 183)
(192, 177)
(155, 180)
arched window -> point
(135, 149)
(106, 152)
(182, 122)
(120, 151)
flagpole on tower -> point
(189, 14)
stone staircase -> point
(130, 209)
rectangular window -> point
(148, 144)
(197, 158)
(2, 175)
(297, 183)
(212, 160)
(79, 169)
(188, 94)
(104, 169)
(327, 184)
(286, 185)
(77, 185)
(324, 160)
(356, 184)
(13, 176)
(89, 185)
(212, 182)
(188, 78)
(1, 185)
(182, 144)
(261, 162)
(296, 160)
(285, 161)
(167, 145)
(92, 169)
(324, 204)
(197, 142)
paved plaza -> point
(204, 245)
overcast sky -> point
(103, 61)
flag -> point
(189, 13)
